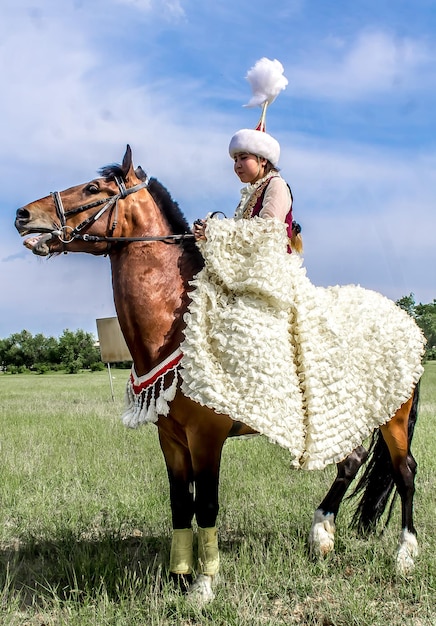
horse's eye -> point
(93, 188)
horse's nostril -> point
(23, 214)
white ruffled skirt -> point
(315, 370)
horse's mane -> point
(160, 194)
(165, 202)
(169, 206)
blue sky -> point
(357, 126)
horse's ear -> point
(140, 173)
(127, 165)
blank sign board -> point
(113, 348)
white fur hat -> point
(267, 81)
(255, 142)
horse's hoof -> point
(406, 553)
(322, 534)
(201, 591)
(182, 582)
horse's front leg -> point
(322, 533)
(181, 483)
(206, 447)
(192, 438)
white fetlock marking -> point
(201, 591)
(406, 553)
(322, 533)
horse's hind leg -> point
(397, 437)
(322, 533)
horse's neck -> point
(149, 283)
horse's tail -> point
(377, 482)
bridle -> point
(66, 234)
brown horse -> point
(135, 222)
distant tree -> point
(77, 350)
(45, 350)
(407, 303)
(73, 351)
(17, 350)
(3, 351)
(425, 316)
(52, 351)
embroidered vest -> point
(254, 207)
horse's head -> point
(80, 218)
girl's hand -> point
(199, 230)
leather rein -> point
(112, 203)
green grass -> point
(85, 524)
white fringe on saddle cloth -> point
(314, 369)
(148, 396)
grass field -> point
(85, 524)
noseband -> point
(75, 233)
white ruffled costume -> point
(314, 369)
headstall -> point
(66, 234)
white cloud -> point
(53, 294)
(367, 214)
(72, 103)
(376, 62)
(171, 8)
(69, 111)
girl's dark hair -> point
(269, 167)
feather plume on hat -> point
(267, 81)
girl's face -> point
(249, 167)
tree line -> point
(71, 352)
(425, 317)
(77, 350)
